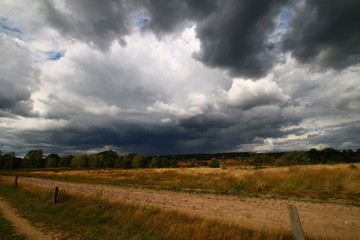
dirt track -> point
(22, 226)
(323, 220)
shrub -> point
(280, 163)
(214, 163)
(352, 166)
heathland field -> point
(189, 203)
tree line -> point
(111, 159)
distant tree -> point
(125, 161)
(296, 157)
(173, 162)
(331, 155)
(52, 160)
(156, 162)
(119, 162)
(34, 159)
(214, 163)
(81, 160)
(65, 160)
(95, 161)
(108, 158)
(314, 155)
(139, 161)
(7, 161)
(165, 163)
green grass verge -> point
(91, 218)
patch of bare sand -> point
(333, 221)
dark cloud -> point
(168, 16)
(233, 34)
(339, 136)
(18, 78)
(235, 37)
(326, 33)
(97, 23)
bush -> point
(214, 163)
(280, 163)
(352, 166)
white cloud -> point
(247, 94)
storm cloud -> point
(325, 33)
(166, 77)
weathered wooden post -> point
(295, 223)
(56, 190)
(16, 180)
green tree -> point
(7, 161)
(65, 160)
(95, 161)
(108, 158)
(125, 161)
(156, 162)
(52, 160)
(81, 160)
(34, 159)
(296, 158)
(139, 161)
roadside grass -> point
(7, 232)
(317, 182)
(91, 218)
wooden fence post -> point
(56, 190)
(295, 223)
(16, 180)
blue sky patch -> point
(284, 18)
(8, 29)
(54, 56)
(139, 20)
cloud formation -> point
(325, 33)
(18, 78)
(166, 77)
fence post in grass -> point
(295, 223)
(56, 190)
(16, 180)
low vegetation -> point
(77, 217)
(316, 182)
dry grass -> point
(315, 181)
(91, 218)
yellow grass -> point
(312, 181)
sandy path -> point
(319, 220)
(22, 226)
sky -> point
(179, 76)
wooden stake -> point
(16, 180)
(295, 223)
(56, 190)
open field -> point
(335, 183)
(331, 213)
(89, 217)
